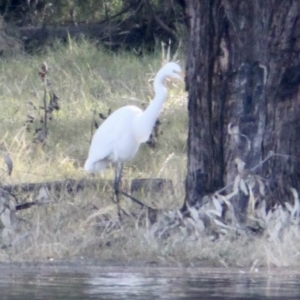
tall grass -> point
(85, 226)
(86, 79)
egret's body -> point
(114, 141)
(118, 138)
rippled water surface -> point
(48, 282)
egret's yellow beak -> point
(181, 75)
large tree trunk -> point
(243, 76)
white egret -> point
(118, 138)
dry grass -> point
(85, 79)
(85, 225)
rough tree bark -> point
(243, 73)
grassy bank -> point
(86, 79)
(85, 226)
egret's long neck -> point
(146, 121)
(152, 112)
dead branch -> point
(72, 186)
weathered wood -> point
(25, 205)
(155, 185)
(243, 76)
(205, 137)
(148, 185)
(72, 186)
(69, 185)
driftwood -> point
(72, 186)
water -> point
(48, 282)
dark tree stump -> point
(243, 74)
(155, 185)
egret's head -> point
(173, 70)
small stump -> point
(155, 185)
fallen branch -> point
(72, 186)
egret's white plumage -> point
(118, 138)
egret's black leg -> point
(117, 191)
(118, 177)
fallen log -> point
(73, 186)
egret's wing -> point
(111, 131)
